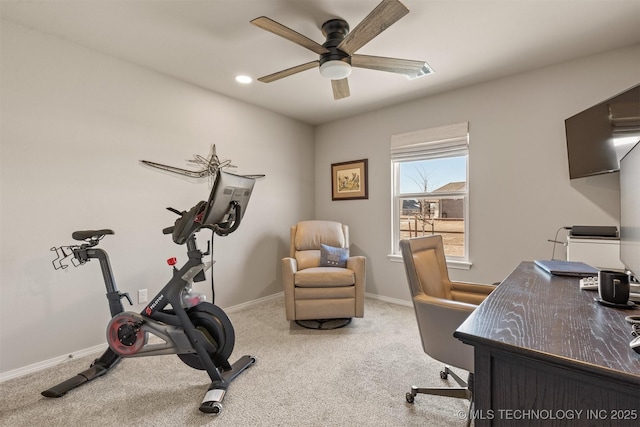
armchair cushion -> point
(324, 277)
(333, 257)
(307, 259)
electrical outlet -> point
(142, 296)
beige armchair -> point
(441, 306)
(322, 283)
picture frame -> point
(349, 180)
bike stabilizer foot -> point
(212, 402)
(99, 367)
(238, 367)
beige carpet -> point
(354, 376)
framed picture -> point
(349, 180)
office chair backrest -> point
(427, 265)
(438, 315)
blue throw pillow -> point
(333, 257)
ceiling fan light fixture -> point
(335, 70)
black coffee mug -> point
(613, 286)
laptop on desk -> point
(566, 268)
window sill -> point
(453, 264)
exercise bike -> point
(200, 333)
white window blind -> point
(438, 156)
(441, 141)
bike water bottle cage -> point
(79, 252)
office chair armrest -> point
(473, 288)
(472, 293)
(424, 299)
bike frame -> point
(171, 325)
(222, 214)
(171, 295)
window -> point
(431, 188)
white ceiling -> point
(208, 42)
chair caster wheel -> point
(444, 375)
(410, 398)
(213, 408)
(217, 408)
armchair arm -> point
(289, 268)
(473, 293)
(357, 264)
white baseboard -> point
(25, 370)
(390, 300)
(5, 376)
(252, 302)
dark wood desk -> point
(547, 354)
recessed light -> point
(244, 79)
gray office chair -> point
(441, 306)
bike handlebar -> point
(224, 231)
(191, 222)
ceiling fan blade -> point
(380, 18)
(408, 67)
(289, 71)
(340, 88)
(287, 33)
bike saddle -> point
(90, 234)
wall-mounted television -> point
(598, 137)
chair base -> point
(324, 324)
(465, 391)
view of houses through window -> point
(431, 196)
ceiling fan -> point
(337, 53)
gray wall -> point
(74, 125)
(520, 192)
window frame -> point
(429, 144)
